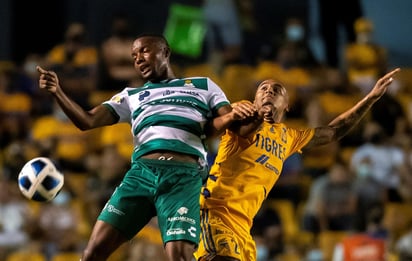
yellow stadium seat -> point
(66, 256)
(26, 256)
(120, 253)
(202, 70)
(397, 218)
(238, 82)
(289, 257)
(404, 76)
(97, 97)
(287, 214)
(15, 103)
(327, 242)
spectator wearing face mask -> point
(293, 64)
(380, 160)
(364, 60)
(295, 39)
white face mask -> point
(364, 37)
(294, 32)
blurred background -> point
(346, 195)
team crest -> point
(117, 99)
(182, 210)
(188, 83)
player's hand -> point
(382, 84)
(48, 80)
(242, 110)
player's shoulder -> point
(199, 82)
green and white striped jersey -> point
(170, 115)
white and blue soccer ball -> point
(40, 180)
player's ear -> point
(167, 52)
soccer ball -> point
(39, 180)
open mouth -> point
(144, 69)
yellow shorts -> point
(222, 236)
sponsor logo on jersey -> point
(175, 231)
(192, 231)
(182, 219)
(262, 159)
(112, 209)
(143, 95)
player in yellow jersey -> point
(249, 161)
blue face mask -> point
(62, 198)
(262, 253)
(294, 33)
(363, 170)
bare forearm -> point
(218, 125)
(82, 119)
(246, 127)
(75, 113)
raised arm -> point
(343, 123)
(84, 120)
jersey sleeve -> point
(119, 106)
(218, 97)
(301, 138)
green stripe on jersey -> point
(171, 121)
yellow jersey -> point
(245, 170)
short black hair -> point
(160, 37)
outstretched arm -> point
(84, 120)
(343, 123)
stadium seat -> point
(202, 70)
(66, 256)
(287, 214)
(289, 257)
(397, 218)
(238, 82)
(327, 242)
(26, 256)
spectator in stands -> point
(224, 35)
(332, 201)
(334, 15)
(58, 226)
(364, 60)
(381, 159)
(267, 231)
(115, 63)
(15, 219)
(75, 60)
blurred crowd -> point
(324, 200)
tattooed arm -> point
(343, 123)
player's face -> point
(271, 100)
(151, 58)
